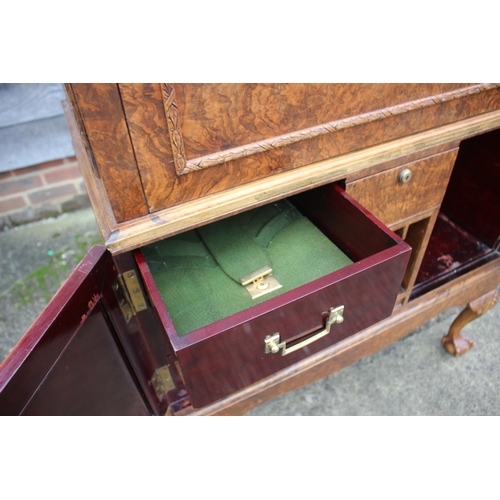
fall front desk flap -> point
(212, 272)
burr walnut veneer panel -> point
(402, 200)
(192, 140)
(167, 144)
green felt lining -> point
(234, 251)
(198, 292)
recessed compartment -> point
(466, 234)
(319, 304)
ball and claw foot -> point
(454, 342)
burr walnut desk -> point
(399, 182)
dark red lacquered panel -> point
(353, 229)
(91, 376)
(451, 252)
(69, 362)
(473, 195)
(235, 358)
(450, 247)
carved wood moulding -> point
(185, 166)
(174, 129)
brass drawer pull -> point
(405, 176)
(272, 343)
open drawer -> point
(232, 352)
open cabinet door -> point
(70, 362)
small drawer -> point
(403, 192)
(236, 351)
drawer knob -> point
(405, 176)
(273, 345)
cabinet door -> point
(70, 362)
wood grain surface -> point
(107, 131)
(130, 129)
(425, 189)
(187, 215)
(454, 342)
(228, 122)
(217, 118)
(213, 119)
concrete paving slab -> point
(35, 259)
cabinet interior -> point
(466, 232)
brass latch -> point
(260, 282)
(162, 381)
(129, 294)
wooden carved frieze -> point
(174, 129)
(184, 165)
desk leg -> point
(454, 343)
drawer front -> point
(405, 191)
(237, 358)
(230, 354)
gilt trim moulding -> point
(144, 230)
(185, 166)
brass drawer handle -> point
(272, 343)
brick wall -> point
(37, 192)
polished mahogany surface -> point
(70, 361)
(467, 231)
(91, 377)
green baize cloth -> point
(198, 272)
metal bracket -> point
(129, 294)
(162, 381)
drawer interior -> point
(303, 238)
(364, 264)
(206, 267)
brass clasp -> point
(260, 282)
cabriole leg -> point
(454, 343)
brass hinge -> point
(129, 294)
(162, 381)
